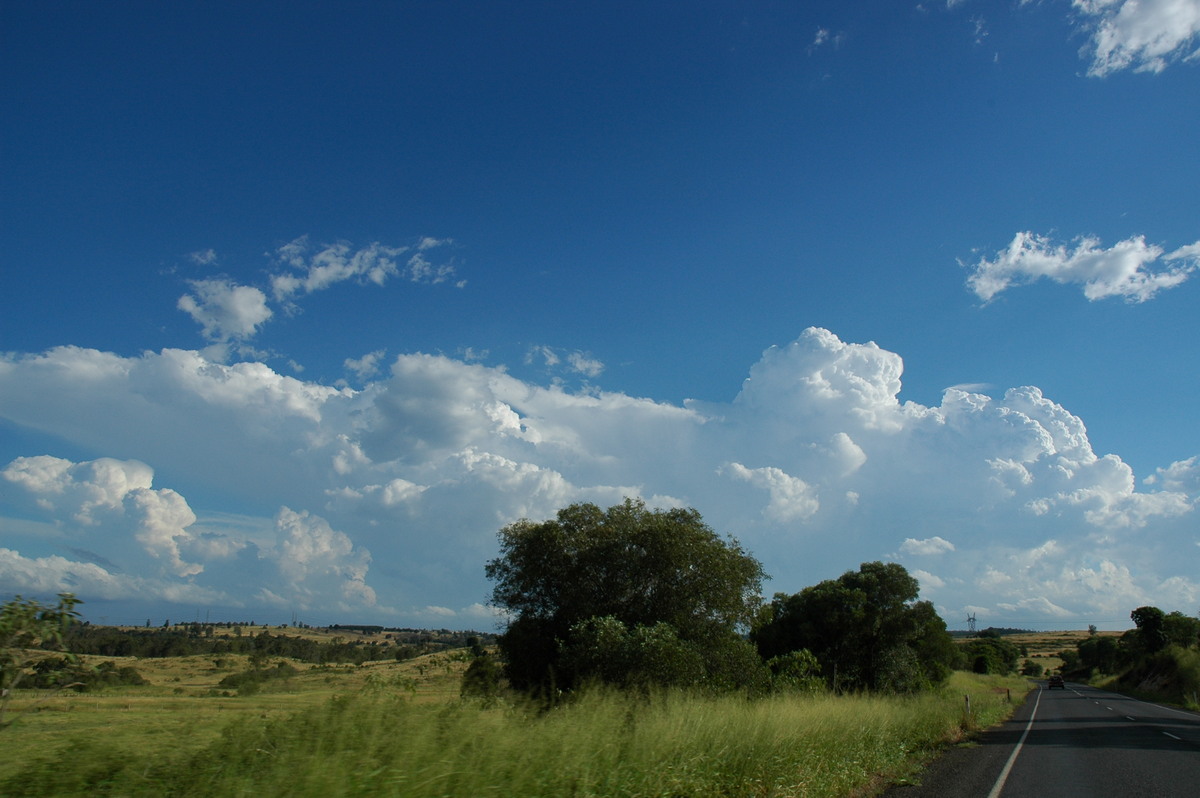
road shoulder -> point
(969, 768)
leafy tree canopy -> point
(26, 624)
(657, 589)
(991, 655)
(865, 628)
(1181, 630)
(1151, 628)
(1103, 654)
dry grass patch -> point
(1043, 647)
(184, 708)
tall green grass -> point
(599, 744)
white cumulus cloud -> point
(109, 497)
(815, 465)
(927, 580)
(224, 310)
(320, 562)
(366, 366)
(933, 545)
(792, 499)
(1145, 35)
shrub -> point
(483, 678)
(991, 655)
(65, 672)
(251, 681)
(796, 671)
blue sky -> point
(301, 302)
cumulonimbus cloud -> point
(111, 504)
(110, 493)
(815, 465)
(1122, 270)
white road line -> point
(999, 785)
(1168, 709)
(1129, 718)
(1172, 736)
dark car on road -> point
(1056, 681)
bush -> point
(483, 678)
(64, 672)
(606, 650)
(796, 671)
(251, 681)
(991, 655)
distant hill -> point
(342, 643)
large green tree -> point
(645, 586)
(866, 628)
(1104, 654)
(1181, 630)
(1151, 628)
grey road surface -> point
(1074, 743)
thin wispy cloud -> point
(1125, 270)
(575, 362)
(231, 313)
(205, 257)
(315, 269)
(825, 37)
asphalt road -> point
(1074, 743)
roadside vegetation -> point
(388, 736)
(639, 659)
(1158, 660)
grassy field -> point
(1043, 647)
(399, 729)
(184, 708)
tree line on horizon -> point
(190, 639)
(639, 598)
